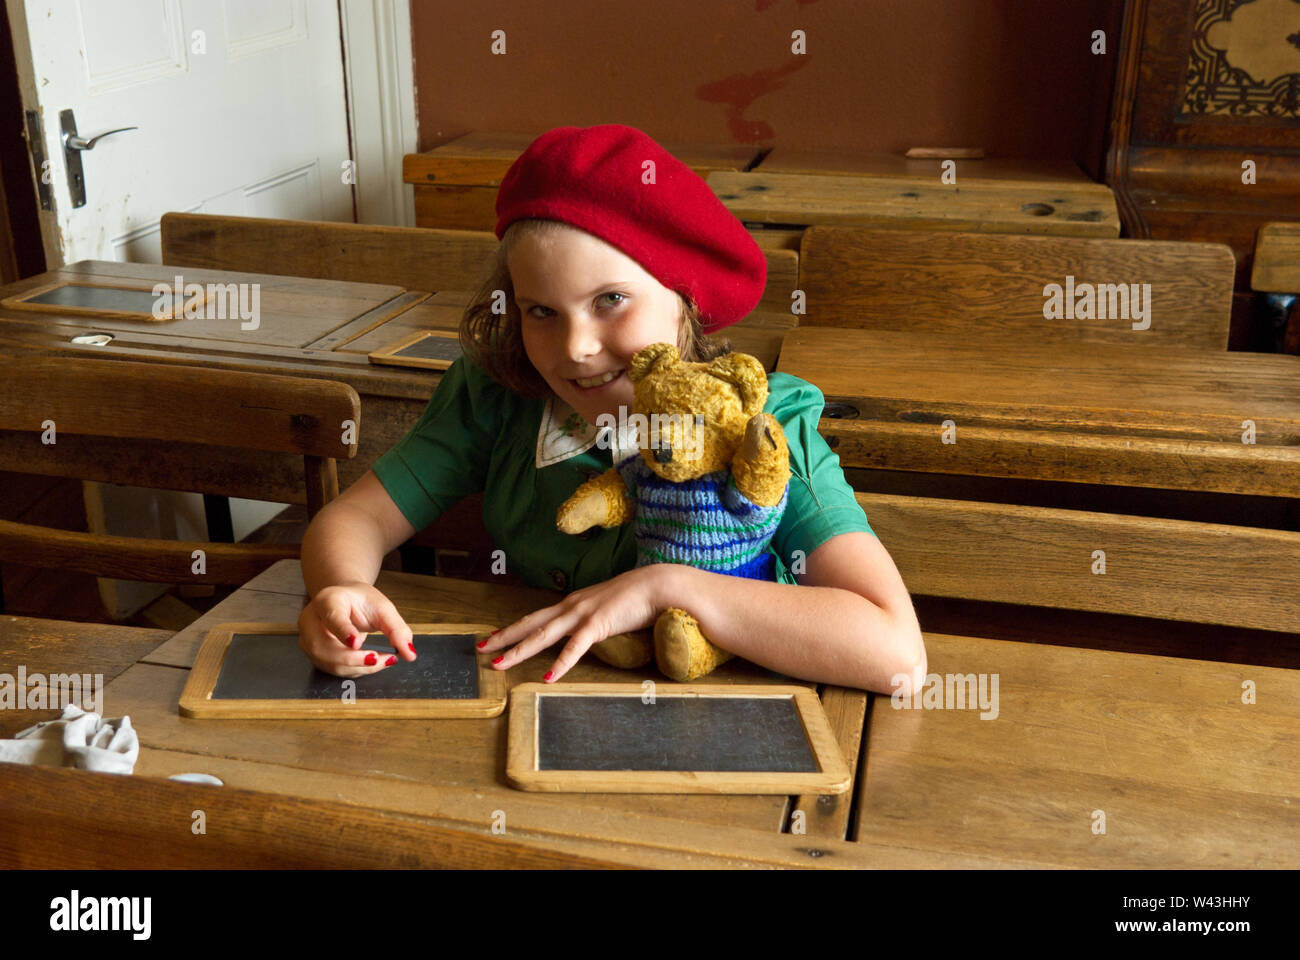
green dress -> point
(527, 456)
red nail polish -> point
(390, 661)
(498, 659)
(482, 644)
(411, 647)
(371, 658)
(351, 639)
(549, 673)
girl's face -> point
(585, 309)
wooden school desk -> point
(302, 323)
(308, 327)
(807, 187)
(1184, 774)
(448, 773)
(1052, 409)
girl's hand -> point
(332, 626)
(630, 601)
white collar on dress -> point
(563, 433)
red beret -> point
(675, 228)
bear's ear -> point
(749, 377)
(657, 356)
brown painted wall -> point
(1013, 76)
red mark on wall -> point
(740, 90)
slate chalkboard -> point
(263, 666)
(672, 738)
(672, 733)
(256, 670)
(97, 300)
(431, 348)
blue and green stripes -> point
(705, 523)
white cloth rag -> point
(77, 739)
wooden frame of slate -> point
(431, 349)
(264, 649)
(574, 737)
(88, 303)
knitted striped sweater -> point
(705, 522)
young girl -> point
(609, 243)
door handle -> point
(72, 147)
(71, 142)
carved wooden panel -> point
(1205, 131)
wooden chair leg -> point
(322, 483)
(221, 527)
(1291, 335)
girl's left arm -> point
(850, 621)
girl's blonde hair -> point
(493, 341)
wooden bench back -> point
(1277, 258)
(413, 257)
(960, 284)
(94, 419)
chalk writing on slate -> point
(432, 348)
(272, 667)
(102, 298)
(760, 734)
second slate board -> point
(687, 738)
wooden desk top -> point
(302, 322)
(973, 204)
(453, 767)
(293, 312)
(481, 158)
(64, 646)
(1186, 774)
(1057, 380)
(803, 160)
(1055, 408)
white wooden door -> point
(240, 110)
(239, 105)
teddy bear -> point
(707, 487)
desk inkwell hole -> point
(840, 411)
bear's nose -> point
(664, 454)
